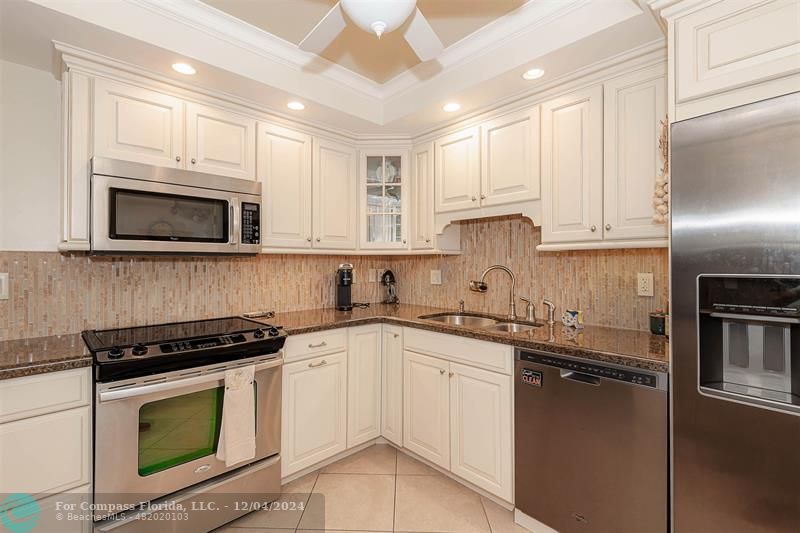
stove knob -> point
(116, 352)
(139, 349)
(258, 334)
(273, 332)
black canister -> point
(658, 323)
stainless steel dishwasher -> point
(591, 444)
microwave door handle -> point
(164, 386)
(234, 238)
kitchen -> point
(191, 230)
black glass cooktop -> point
(164, 333)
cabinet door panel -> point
(314, 416)
(220, 142)
(572, 167)
(480, 425)
(284, 168)
(510, 158)
(426, 399)
(392, 385)
(137, 125)
(334, 196)
(457, 171)
(422, 191)
(634, 105)
(363, 384)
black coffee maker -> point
(344, 286)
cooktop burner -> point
(140, 351)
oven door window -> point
(149, 216)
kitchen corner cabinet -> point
(384, 195)
(314, 418)
(572, 167)
(392, 384)
(137, 124)
(334, 195)
(220, 142)
(363, 384)
(458, 171)
(426, 407)
(284, 169)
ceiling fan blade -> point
(325, 31)
(422, 38)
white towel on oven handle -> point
(237, 435)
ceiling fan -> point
(378, 16)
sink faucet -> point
(481, 286)
(551, 311)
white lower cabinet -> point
(392, 385)
(314, 419)
(426, 413)
(480, 428)
(363, 384)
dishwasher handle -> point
(580, 378)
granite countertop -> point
(25, 357)
(638, 349)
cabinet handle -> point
(474, 199)
(404, 241)
(315, 365)
(194, 160)
(593, 228)
(427, 241)
(608, 227)
(451, 374)
(483, 197)
(318, 239)
(320, 345)
(178, 158)
(308, 239)
(441, 371)
(396, 335)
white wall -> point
(30, 135)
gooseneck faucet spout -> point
(481, 286)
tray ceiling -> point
(354, 49)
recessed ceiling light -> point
(451, 107)
(533, 74)
(184, 68)
(296, 106)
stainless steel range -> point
(159, 397)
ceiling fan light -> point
(378, 16)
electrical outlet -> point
(4, 286)
(436, 277)
(645, 283)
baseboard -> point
(530, 523)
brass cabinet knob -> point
(178, 158)
(194, 160)
(593, 228)
(608, 227)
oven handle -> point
(144, 390)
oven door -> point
(131, 215)
(158, 434)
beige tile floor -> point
(378, 490)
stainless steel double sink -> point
(474, 320)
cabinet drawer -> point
(45, 393)
(56, 447)
(483, 354)
(313, 344)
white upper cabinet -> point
(384, 197)
(510, 158)
(572, 167)
(220, 142)
(284, 169)
(726, 54)
(137, 124)
(363, 384)
(422, 227)
(334, 195)
(635, 104)
(458, 170)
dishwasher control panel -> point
(591, 369)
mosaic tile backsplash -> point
(52, 294)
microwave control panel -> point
(251, 223)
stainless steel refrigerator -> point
(735, 259)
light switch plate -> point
(436, 277)
(373, 275)
(4, 286)
(645, 283)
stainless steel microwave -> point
(143, 209)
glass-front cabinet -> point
(384, 193)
